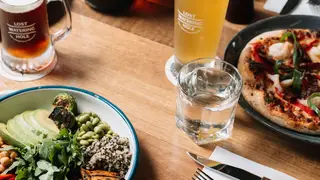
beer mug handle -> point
(62, 33)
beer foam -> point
(19, 2)
(19, 6)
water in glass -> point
(206, 104)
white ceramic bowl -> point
(17, 102)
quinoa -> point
(110, 154)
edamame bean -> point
(85, 127)
(89, 125)
(90, 140)
(84, 143)
(108, 136)
(81, 133)
(98, 129)
(101, 133)
(79, 138)
(95, 121)
(110, 132)
(94, 114)
(96, 136)
(87, 135)
(104, 127)
(84, 118)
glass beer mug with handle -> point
(27, 46)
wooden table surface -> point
(122, 58)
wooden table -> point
(123, 58)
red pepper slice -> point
(257, 58)
(317, 76)
(280, 94)
(7, 176)
(310, 45)
(306, 109)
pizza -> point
(281, 77)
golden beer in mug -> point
(198, 26)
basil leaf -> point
(297, 54)
(297, 79)
(297, 51)
(285, 36)
(277, 65)
(311, 105)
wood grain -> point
(159, 27)
(129, 70)
(122, 59)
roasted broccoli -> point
(63, 118)
(66, 101)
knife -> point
(224, 168)
(289, 6)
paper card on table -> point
(227, 157)
(276, 6)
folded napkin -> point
(227, 157)
(276, 6)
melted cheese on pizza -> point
(281, 51)
(276, 82)
(314, 54)
(303, 102)
(286, 83)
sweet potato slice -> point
(99, 175)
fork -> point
(200, 175)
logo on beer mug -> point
(21, 31)
(189, 23)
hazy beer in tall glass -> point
(198, 26)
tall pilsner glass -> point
(198, 26)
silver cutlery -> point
(224, 168)
(200, 175)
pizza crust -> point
(255, 97)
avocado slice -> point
(19, 133)
(41, 116)
(9, 138)
(29, 131)
(28, 117)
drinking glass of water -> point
(208, 93)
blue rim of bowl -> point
(114, 107)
